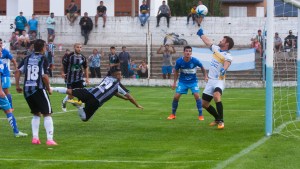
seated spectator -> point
(94, 63)
(163, 11)
(144, 9)
(32, 37)
(86, 24)
(142, 70)
(24, 40)
(277, 43)
(255, 44)
(290, 40)
(32, 25)
(101, 12)
(132, 69)
(72, 12)
(30, 50)
(192, 14)
(13, 40)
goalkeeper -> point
(220, 62)
(95, 97)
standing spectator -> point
(101, 12)
(63, 71)
(95, 62)
(24, 40)
(192, 14)
(257, 46)
(124, 58)
(36, 86)
(50, 60)
(142, 70)
(20, 23)
(86, 24)
(167, 60)
(72, 12)
(13, 40)
(163, 11)
(259, 38)
(144, 13)
(75, 66)
(114, 61)
(290, 40)
(277, 43)
(51, 27)
(32, 25)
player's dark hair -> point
(187, 47)
(39, 45)
(112, 47)
(230, 41)
(0, 40)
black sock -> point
(211, 110)
(219, 106)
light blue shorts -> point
(4, 103)
(5, 82)
(166, 69)
(183, 88)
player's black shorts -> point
(91, 103)
(39, 102)
(74, 85)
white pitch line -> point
(25, 117)
(245, 151)
(110, 161)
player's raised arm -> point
(204, 38)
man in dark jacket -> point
(86, 24)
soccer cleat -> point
(21, 134)
(75, 103)
(36, 141)
(201, 118)
(214, 123)
(221, 125)
(63, 106)
(51, 143)
(171, 117)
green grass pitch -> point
(122, 136)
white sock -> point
(60, 89)
(81, 113)
(48, 123)
(66, 98)
(35, 125)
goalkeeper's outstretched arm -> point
(204, 38)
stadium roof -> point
(241, 1)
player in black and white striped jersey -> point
(75, 67)
(95, 97)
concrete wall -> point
(127, 30)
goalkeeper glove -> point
(223, 71)
(200, 32)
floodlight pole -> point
(269, 68)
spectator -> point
(51, 27)
(20, 23)
(51, 46)
(32, 37)
(24, 40)
(86, 24)
(144, 10)
(101, 12)
(64, 71)
(13, 40)
(114, 62)
(132, 69)
(32, 25)
(192, 14)
(124, 58)
(200, 17)
(143, 70)
(255, 44)
(50, 58)
(30, 50)
(290, 40)
(72, 12)
(167, 60)
(163, 11)
(277, 43)
(259, 38)
(94, 63)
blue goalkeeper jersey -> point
(188, 69)
(6, 56)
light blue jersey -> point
(187, 70)
(6, 56)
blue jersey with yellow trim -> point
(5, 58)
(188, 69)
(217, 62)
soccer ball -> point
(201, 10)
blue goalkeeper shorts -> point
(183, 88)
